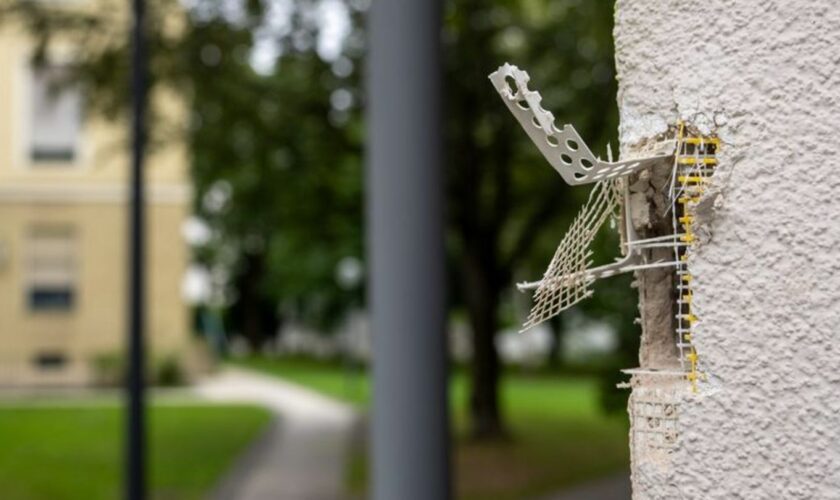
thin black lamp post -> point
(405, 252)
(135, 444)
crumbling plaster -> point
(764, 76)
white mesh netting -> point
(566, 281)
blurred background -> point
(257, 325)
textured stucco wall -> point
(765, 76)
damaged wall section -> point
(662, 202)
(766, 283)
(650, 215)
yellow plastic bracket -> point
(702, 140)
(693, 160)
(684, 179)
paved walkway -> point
(303, 454)
(609, 488)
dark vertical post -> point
(135, 477)
(405, 244)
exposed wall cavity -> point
(650, 215)
(663, 202)
(764, 76)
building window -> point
(51, 268)
(55, 116)
(50, 360)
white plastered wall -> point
(764, 76)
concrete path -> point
(303, 454)
(609, 488)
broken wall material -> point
(650, 215)
(766, 422)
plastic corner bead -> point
(562, 147)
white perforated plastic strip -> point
(563, 148)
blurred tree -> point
(282, 152)
(276, 151)
(506, 205)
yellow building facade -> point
(63, 228)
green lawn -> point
(57, 453)
(559, 436)
(345, 382)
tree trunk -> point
(250, 301)
(482, 294)
(554, 356)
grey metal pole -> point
(410, 438)
(135, 443)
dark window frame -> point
(40, 156)
(50, 360)
(54, 299)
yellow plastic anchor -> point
(702, 140)
(692, 178)
(691, 160)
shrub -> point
(168, 372)
(109, 370)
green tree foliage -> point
(507, 206)
(277, 161)
(276, 154)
